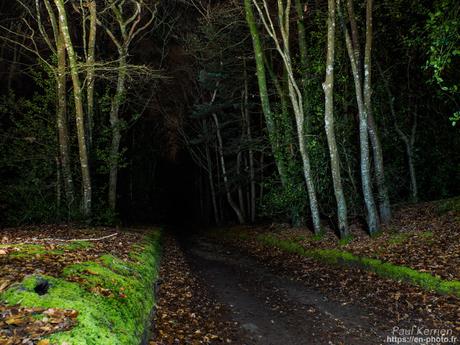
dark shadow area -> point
(159, 185)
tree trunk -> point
(79, 112)
(286, 143)
(372, 215)
(302, 38)
(211, 185)
(263, 91)
(90, 69)
(62, 125)
(116, 129)
(230, 200)
(296, 98)
(384, 200)
(328, 87)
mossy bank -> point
(385, 269)
(113, 297)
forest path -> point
(273, 309)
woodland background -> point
(152, 111)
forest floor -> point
(245, 285)
(77, 281)
(257, 293)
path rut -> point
(272, 309)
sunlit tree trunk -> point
(263, 91)
(372, 215)
(328, 87)
(302, 39)
(79, 112)
(383, 198)
(295, 94)
(282, 158)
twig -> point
(63, 240)
(79, 239)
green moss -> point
(77, 245)
(288, 246)
(427, 234)
(346, 240)
(27, 250)
(243, 235)
(319, 236)
(117, 265)
(398, 238)
(377, 234)
(384, 269)
(119, 318)
(448, 205)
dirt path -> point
(271, 309)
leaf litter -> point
(47, 250)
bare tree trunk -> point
(372, 215)
(282, 159)
(62, 125)
(128, 29)
(354, 36)
(79, 112)
(263, 91)
(302, 38)
(90, 76)
(116, 129)
(230, 200)
(328, 87)
(211, 185)
(295, 95)
(384, 200)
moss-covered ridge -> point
(113, 298)
(384, 269)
